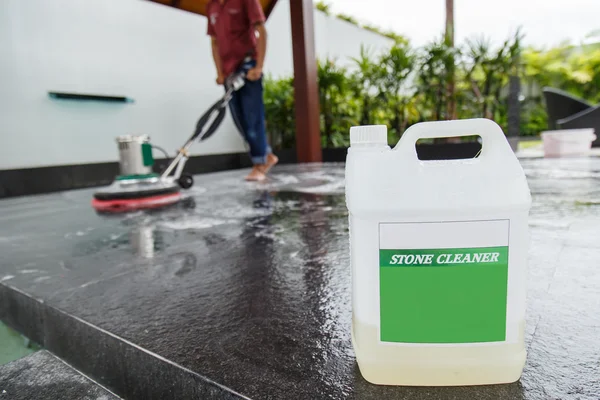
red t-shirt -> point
(232, 25)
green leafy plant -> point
(280, 112)
(323, 6)
(433, 77)
(572, 69)
(348, 18)
(395, 68)
(338, 107)
(402, 86)
(485, 74)
(366, 83)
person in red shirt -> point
(239, 41)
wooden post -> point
(308, 132)
(450, 22)
(449, 39)
(514, 111)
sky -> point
(544, 22)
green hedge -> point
(405, 85)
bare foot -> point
(256, 175)
(271, 161)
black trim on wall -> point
(19, 182)
(89, 97)
(28, 181)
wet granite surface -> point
(249, 284)
(43, 376)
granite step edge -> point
(121, 366)
(42, 375)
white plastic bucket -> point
(439, 258)
(568, 142)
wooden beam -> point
(269, 8)
(308, 134)
(199, 6)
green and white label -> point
(449, 292)
(444, 257)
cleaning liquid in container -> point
(439, 258)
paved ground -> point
(249, 285)
(43, 376)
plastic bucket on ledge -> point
(568, 142)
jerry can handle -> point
(494, 143)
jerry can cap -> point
(368, 134)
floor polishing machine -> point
(138, 187)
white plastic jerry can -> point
(439, 258)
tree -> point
(402, 86)
(449, 41)
(338, 107)
(433, 77)
(396, 67)
(488, 70)
(365, 85)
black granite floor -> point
(244, 290)
(43, 376)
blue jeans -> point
(248, 112)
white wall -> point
(156, 55)
(334, 38)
